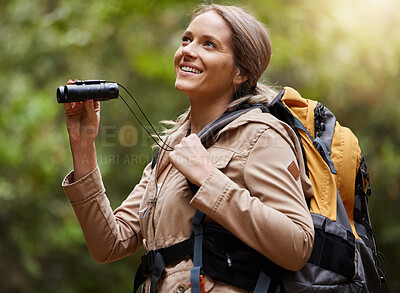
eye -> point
(209, 44)
(185, 40)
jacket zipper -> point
(155, 198)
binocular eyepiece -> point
(79, 91)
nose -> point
(189, 51)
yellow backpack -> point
(344, 256)
(343, 151)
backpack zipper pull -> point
(229, 260)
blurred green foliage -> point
(343, 53)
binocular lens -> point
(61, 95)
(82, 92)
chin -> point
(183, 89)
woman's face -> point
(204, 65)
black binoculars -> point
(79, 91)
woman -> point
(246, 178)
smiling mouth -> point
(190, 69)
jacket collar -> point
(248, 117)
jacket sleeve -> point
(109, 235)
(270, 214)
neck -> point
(202, 114)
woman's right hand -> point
(83, 119)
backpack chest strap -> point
(155, 261)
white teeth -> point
(190, 69)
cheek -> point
(177, 58)
(225, 69)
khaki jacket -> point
(257, 191)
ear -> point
(239, 78)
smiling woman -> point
(207, 52)
(237, 37)
(250, 184)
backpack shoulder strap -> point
(154, 161)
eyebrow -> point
(209, 37)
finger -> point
(90, 109)
(68, 106)
(190, 137)
(194, 141)
(96, 105)
(70, 81)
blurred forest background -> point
(343, 53)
